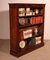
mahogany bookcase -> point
(26, 27)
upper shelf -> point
(30, 12)
(30, 16)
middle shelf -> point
(33, 31)
(24, 22)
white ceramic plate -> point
(22, 44)
(22, 21)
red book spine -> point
(32, 20)
(39, 20)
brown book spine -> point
(41, 19)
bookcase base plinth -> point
(21, 53)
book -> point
(39, 20)
(32, 20)
(21, 11)
(27, 33)
(38, 40)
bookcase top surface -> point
(26, 3)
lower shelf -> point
(24, 51)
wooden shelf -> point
(27, 49)
(30, 16)
(33, 36)
(29, 25)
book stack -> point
(28, 12)
(36, 20)
(26, 34)
(21, 11)
(38, 40)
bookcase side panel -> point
(13, 28)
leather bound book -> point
(32, 21)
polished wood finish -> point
(14, 28)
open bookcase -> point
(26, 27)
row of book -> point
(33, 20)
(28, 11)
(36, 20)
(30, 32)
(26, 34)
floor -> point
(42, 53)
